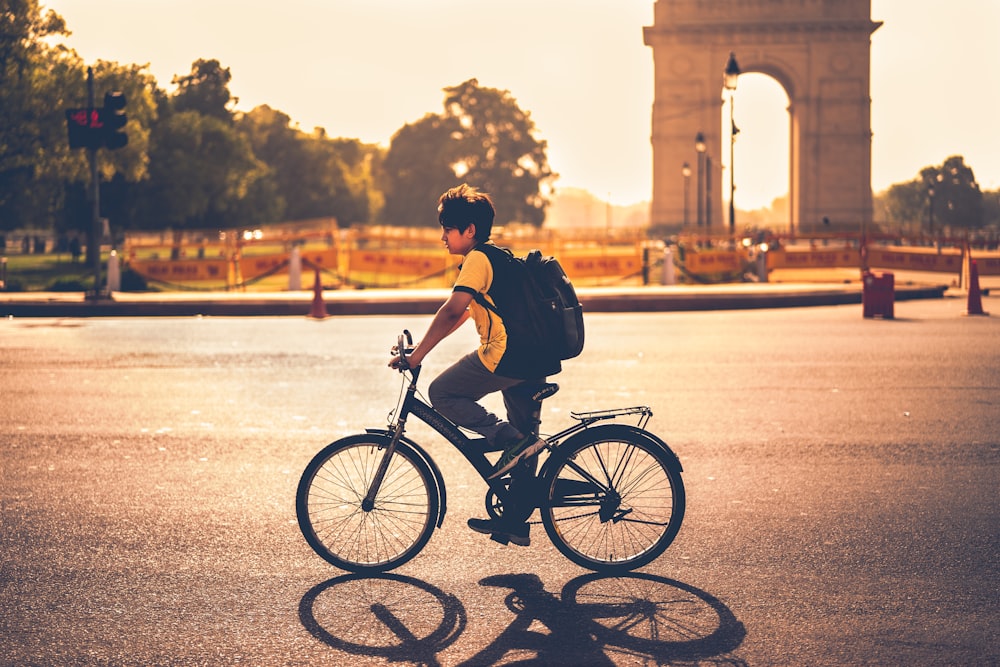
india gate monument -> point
(818, 51)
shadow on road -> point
(595, 621)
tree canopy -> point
(482, 137)
(941, 199)
(191, 159)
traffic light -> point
(85, 128)
(113, 118)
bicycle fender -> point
(422, 453)
(623, 431)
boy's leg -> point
(522, 412)
(456, 391)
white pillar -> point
(762, 266)
(669, 273)
(114, 273)
(295, 270)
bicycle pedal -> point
(501, 539)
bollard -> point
(114, 273)
(669, 271)
(878, 294)
(295, 270)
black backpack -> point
(552, 317)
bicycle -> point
(610, 495)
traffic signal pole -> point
(96, 229)
(92, 128)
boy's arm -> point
(451, 315)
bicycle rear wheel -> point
(615, 499)
(328, 505)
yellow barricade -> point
(277, 264)
(181, 270)
(599, 264)
(813, 259)
(890, 258)
(400, 263)
(254, 267)
(987, 265)
(713, 261)
(948, 260)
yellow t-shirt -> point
(476, 277)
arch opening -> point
(761, 151)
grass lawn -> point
(48, 273)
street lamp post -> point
(700, 147)
(932, 182)
(731, 74)
(686, 173)
(708, 193)
(930, 210)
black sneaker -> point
(502, 532)
(516, 452)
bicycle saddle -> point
(544, 390)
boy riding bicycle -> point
(500, 363)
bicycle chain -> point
(564, 518)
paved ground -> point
(841, 478)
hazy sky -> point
(363, 68)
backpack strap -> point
(479, 298)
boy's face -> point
(459, 243)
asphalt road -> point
(841, 476)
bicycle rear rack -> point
(586, 418)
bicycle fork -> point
(368, 503)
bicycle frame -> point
(474, 449)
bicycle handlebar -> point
(404, 346)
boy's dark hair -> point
(464, 205)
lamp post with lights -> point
(700, 147)
(731, 74)
(686, 173)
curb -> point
(426, 302)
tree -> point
(498, 152)
(205, 90)
(954, 197)
(905, 205)
(35, 72)
(417, 169)
(941, 199)
(200, 169)
(314, 176)
(483, 138)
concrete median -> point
(424, 302)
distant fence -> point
(275, 257)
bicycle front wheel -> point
(615, 499)
(331, 515)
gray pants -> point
(456, 392)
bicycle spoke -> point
(632, 495)
(337, 526)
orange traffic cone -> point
(318, 311)
(975, 303)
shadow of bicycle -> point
(596, 620)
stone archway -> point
(818, 50)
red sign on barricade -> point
(610, 264)
(181, 270)
(395, 263)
